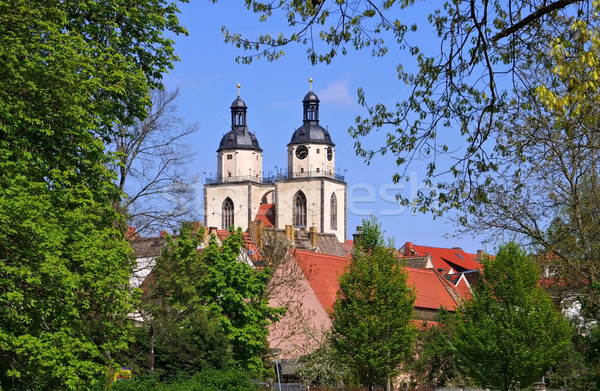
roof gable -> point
(448, 258)
(266, 214)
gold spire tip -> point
(310, 80)
(238, 86)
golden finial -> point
(310, 81)
(238, 85)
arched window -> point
(299, 212)
(227, 214)
(333, 211)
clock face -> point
(301, 152)
(329, 153)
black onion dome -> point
(311, 131)
(238, 103)
(311, 97)
(236, 140)
(239, 137)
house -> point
(317, 290)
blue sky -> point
(207, 77)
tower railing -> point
(272, 178)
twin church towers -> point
(309, 194)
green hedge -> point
(207, 380)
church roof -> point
(311, 97)
(311, 132)
(239, 139)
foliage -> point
(510, 331)
(207, 380)
(68, 71)
(577, 369)
(235, 292)
(372, 328)
(469, 58)
(283, 291)
(208, 308)
(322, 366)
(551, 202)
(152, 157)
(62, 299)
(435, 361)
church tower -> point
(239, 154)
(312, 195)
(309, 196)
(231, 198)
(311, 151)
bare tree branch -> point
(153, 167)
(532, 17)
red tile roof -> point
(266, 214)
(432, 291)
(463, 287)
(448, 258)
(322, 272)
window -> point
(318, 169)
(318, 150)
(227, 214)
(333, 211)
(299, 212)
(229, 156)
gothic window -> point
(227, 214)
(299, 212)
(333, 211)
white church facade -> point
(308, 196)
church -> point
(308, 196)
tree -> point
(209, 307)
(510, 332)
(458, 93)
(235, 291)
(322, 366)
(63, 280)
(188, 337)
(435, 362)
(283, 291)
(548, 193)
(152, 167)
(68, 71)
(373, 311)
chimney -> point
(212, 231)
(408, 249)
(480, 254)
(131, 233)
(312, 236)
(358, 233)
(289, 233)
